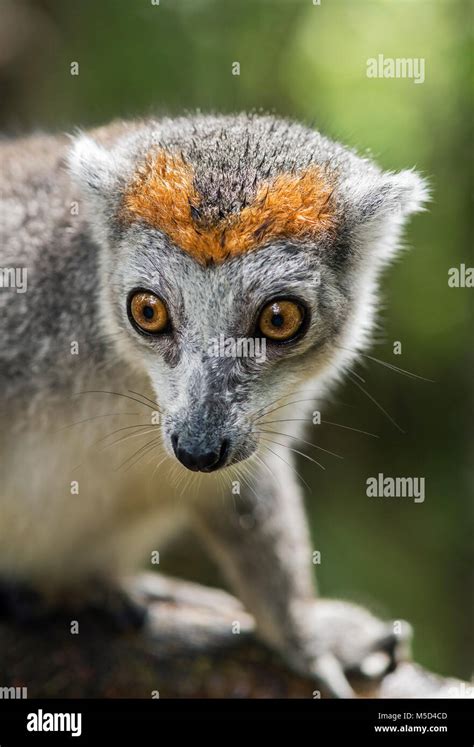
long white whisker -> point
(376, 403)
(308, 443)
(287, 464)
(323, 422)
(296, 451)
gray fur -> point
(81, 268)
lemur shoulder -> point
(143, 242)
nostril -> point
(224, 451)
(208, 462)
(214, 459)
(174, 443)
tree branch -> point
(198, 642)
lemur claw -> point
(329, 672)
(353, 645)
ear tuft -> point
(376, 207)
(378, 197)
(407, 192)
(93, 167)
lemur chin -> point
(144, 243)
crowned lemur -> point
(140, 245)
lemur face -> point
(239, 260)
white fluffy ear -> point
(377, 207)
(98, 171)
(378, 196)
(101, 175)
(404, 193)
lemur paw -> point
(344, 641)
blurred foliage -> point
(309, 62)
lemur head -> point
(240, 256)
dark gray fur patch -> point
(233, 155)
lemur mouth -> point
(197, 459)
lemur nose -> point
(197, 460)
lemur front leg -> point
(262, 545)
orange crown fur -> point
(164, 196)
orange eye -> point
(281, 320)
(149, 312)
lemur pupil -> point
(277, 320)
(148, 312)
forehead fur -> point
(164, 193)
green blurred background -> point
(309, 62)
